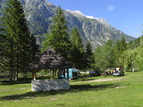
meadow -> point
(122, 91)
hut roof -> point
(49, 59)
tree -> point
(127, 59)
(98, 57)
(45, 43)
(18, 38)
(33, 51)
(77, 50)
(89, 55)
(2, 49)
(133, 58)
(120, 47)
(58, 38)
(104, 56)
(109, 54)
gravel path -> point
(99, 80)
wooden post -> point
(56, 73)
(64, 73)
(53, 74)
(67, 73)
(33, 74)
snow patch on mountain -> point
(90, 17)
(79, 14)
(76, 12)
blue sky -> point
(125, 15)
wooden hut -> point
(49, 59)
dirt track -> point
(99, 80)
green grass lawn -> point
(126, 92)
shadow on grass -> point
(73, 89)
(92, 87)
(20, 81)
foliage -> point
(120, 47)
(133, 59)
(2, 48)
(129, 56)
(71, 47)
(20, 45)
(104, 56)
(136, 43)
(59, 38)
(45, 43)
(77, 51)
(89, 55)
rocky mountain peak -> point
(39, 14)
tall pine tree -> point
(77, 50)
(18, 38)
(59, 38)
(89, 56)
(2, 48)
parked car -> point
(118, 71)
(95, 73)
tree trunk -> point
(11, 61)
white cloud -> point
(111, 8)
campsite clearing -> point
(125, 91)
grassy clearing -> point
(126, 92)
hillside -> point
(39, 14)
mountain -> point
(39, 14)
